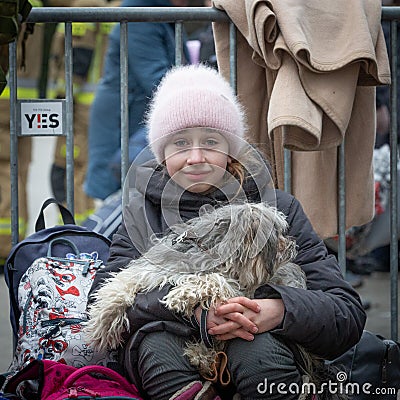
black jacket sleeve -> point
(122, 251)
(328, 318)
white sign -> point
(41, 117)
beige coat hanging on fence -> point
(307, 73)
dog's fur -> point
(225, 253)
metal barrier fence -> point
(178, 16)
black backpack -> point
(24, 253)
(373, 365)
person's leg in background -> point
(83, 204)
(24, 159)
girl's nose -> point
(196, 155)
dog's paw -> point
(180, 301)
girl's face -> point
(196, 158)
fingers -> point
(236, 313)
(238, 304)
(234, 333)
(237, 334)
(236, 322)
(232, 319)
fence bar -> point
(342, 206)
(123, 54)
(129, 14)
(390, 13)
(287, 171)
(232, 57)
(178, 42)
(69, 118)
(394, 308)
(12, 81)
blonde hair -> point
(237, 169)
(249, 167)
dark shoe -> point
(355, 281)
(357, 268)
(366, 304)
(365, 265)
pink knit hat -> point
(194, 96)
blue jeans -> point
(256, 367)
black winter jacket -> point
(327, 319)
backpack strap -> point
(66, 215)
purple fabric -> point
(191, 392)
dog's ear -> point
(286, 250)
(265, 225)
(268, 230)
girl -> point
(196, 128)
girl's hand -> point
(240, 312)
(241, 327)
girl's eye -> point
(180, 143)
(211, 142)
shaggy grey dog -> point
(228, 252)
